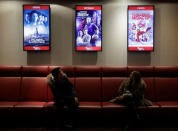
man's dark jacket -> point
(63, 90)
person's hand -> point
(112, 100)
(117, 98)
(127, 94)
(121, 97)
(76, 100)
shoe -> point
(68, 125)
(137, 117)
(127, 126)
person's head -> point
(97, 32)
(94, 14)
(34, 16)
(58, 73)
(135, 77)
(27, 17)
(45, 19)
(88, 20)
(85, 31)
(80, 33)
(98, 21)
(40, 17)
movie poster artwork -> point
(140, 28)
(88, 28)
(36, 27)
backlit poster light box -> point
(88, 28)
(36, 27)
(140, 28)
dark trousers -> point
(132, 117)
(67, 111)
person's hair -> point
(135, 78)
(33, 12)
(55, 72)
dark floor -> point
(22, 124)
(89, 129)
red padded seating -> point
(9, 88)
(8, 71)
(24, 92)
(146, 71)
(33, 89)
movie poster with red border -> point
(140, 28)
(36, 29)
(88, 28)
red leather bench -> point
(24, 93)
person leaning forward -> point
(64, 95)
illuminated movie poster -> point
(88, 28)
(36, 19)
(140, 28)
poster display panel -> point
(88, 28)
(36, 27)
(140, 28)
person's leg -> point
(133, 115)
(60, 118)
(73, 112)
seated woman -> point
(131, 94)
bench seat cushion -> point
(29, 109)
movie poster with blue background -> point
(88, 28)
(140, 28)
(36, 27)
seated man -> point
(64, 95)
